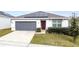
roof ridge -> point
(41, 13)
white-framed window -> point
(56, 23)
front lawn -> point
(54, 40)
(5, 31)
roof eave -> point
(40, 18)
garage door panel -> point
(26, 26)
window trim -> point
(57, 23)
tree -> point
(74, 30)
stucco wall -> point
(38, 23)
(65, 23)
(4, 22)
(48, 23)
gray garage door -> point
(23, 25)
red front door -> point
(43, 24)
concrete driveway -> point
(17, 38)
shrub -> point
(58, 30)
(38, 30)
(49, 30)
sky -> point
(62, 13)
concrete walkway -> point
(17, 38)
(40, 45)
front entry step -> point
(42, 32)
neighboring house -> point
(39, 19)
(5, 20)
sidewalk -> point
(38, 45)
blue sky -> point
(63, 13)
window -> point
(54, 25)
(57, 23)
(54, 21)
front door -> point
(43, 24)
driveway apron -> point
(17, 38)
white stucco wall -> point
(65, 23)
(4, 22)
(38, 23)
(48, 23)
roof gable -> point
(5, 14)
(41, 14)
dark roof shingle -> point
(40, 14)
(5, 14)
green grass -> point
(5, 31)
(54, 40)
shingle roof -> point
(40, 14)
(5, 14)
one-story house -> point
(5, 20)
(38, 19)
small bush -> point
(38, 30)
(58, 30)
(49, 30)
